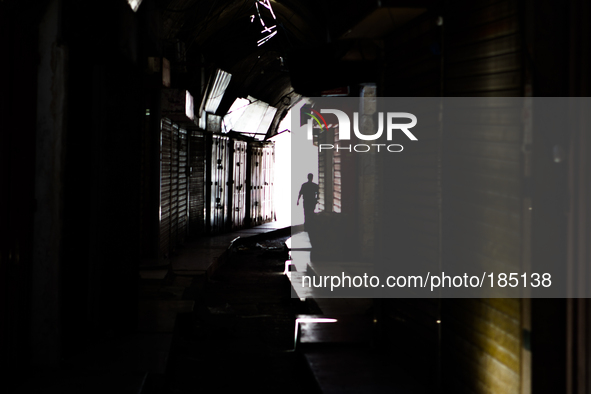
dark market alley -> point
(152, 243)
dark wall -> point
(482, 193)
(499, 49)
(18, 102)
(459, 196)
(413, 68)
(102, 171)
(548, 42)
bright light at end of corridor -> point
(282, 189)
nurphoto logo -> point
(344, 131)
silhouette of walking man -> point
(309, 191)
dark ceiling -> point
(317, 45)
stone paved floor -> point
(240, 337)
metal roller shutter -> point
(482, 192)
(482, 49)
(174, 187)
(322, 156)
(337, 187)
(165, 172)
(183, 191)
(197, 183)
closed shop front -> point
(238, 189)
(482, 196)
(220, 176)
(197, 158)
(174, 183)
